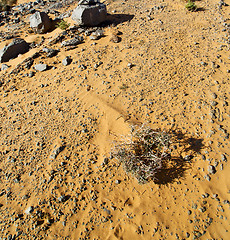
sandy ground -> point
(171, 71)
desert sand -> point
(170, 70)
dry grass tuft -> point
(143, 152)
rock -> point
(41, 67)
(211, 169)
(50, 52)
(66, 61)
(29, 210)
(16, 47)
(4, 67)
(72, 42)
(115, 39)
(56, 151)
(40, 22)
(188, 158)
(97, 34)
(31, 74)
(62, 198)
(89, 13)
(117, 181)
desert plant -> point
(143, 152)
(6, 4)
(63, 25)
(191, 6)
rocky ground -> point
(156, 63)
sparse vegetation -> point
(143, 152)
(63, 25)
(6, 4)
(191, 6)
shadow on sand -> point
(115, 19)
(175, 167)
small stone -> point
(41, 67)
(117, 181)
(66, 61)
(211, 169)
(223, 158)
(72, 42)
(29, 210)
(188, 157)
(4, 67)
(31, 74)
(62, 198)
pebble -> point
(211, 169)
(41, 67)
(29, 210)
(4, 67)
(117, 181)
(66, 61)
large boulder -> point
(40, 22)
(16, 47)
(89, 13)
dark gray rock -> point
(72, 42)
(89, 13)
(41, 67)
(97, 34)
(16, 47)
(50, 52)
(40, 22)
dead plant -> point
(143, 152)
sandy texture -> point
(168, 68)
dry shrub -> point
(143, 152)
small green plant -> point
(143, 152)
(5, 5)
(63, 25)
(191, 6)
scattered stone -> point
(211, 169)
(97, 34)
(16, 47)
(41, 67)
(50, 52)
(66, 61)
(56, 151)
(4, 67)
(223, 158)
(117, 181)
(189, 212)
(31, 74)
(29, 210)
(188, 158)
(40, 22)
(115, 39)
(207, 177)
(73, 42)
(89, 13)
(62, 198)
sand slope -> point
(170, 71)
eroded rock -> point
(40, 22)
(89, 13)
(16, 47)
